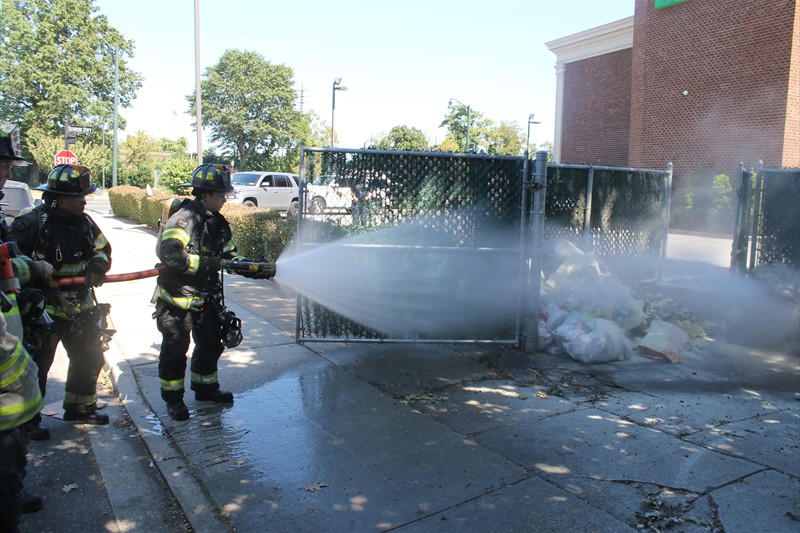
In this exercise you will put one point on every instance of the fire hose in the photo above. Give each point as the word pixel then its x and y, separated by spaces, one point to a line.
pixel 239 267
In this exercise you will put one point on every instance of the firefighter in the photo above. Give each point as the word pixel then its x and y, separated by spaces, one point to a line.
pixel 61 233
pixel 20 398
pixel 189 294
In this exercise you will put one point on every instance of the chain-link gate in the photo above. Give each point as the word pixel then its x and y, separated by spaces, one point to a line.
pixel 767 224
pixel 611 211
pixel 468 200
pixel 464 200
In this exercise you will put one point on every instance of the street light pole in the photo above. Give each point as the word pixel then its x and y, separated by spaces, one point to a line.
pixel 337 86
pixel 528 138
pixel 469 118
pixel 116 105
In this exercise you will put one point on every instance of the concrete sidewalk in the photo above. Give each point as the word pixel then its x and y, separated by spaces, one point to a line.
pixel 337 437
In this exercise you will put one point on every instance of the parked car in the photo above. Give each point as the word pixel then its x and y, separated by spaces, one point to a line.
pixel 275 190
pixel 326 193
pixel 17 197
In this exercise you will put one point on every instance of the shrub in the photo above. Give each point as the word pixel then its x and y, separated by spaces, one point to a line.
pixel 260 234
pixel 126 201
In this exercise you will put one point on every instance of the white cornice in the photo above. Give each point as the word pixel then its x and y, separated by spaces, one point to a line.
pixel 593 42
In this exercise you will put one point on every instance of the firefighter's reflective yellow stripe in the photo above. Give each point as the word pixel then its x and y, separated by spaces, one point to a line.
pixel 10 415
pixel 194 264
pixel 200 379
pixel 175 233
pixel 189 302
pixel 229 246
pixel 171 384
pixel 69 270
pixel 21 396
pixel 14 367
pixel 14 311
pixel 21 270
pixel 100 242
pixel 80 399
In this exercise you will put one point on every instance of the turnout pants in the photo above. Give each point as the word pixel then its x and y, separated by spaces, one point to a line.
pixel 85 354
pixel 12 471
pixel 176 325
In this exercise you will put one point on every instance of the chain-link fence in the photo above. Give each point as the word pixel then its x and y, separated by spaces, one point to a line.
pixel 475 213
pixel 767 223
pixel 610 211
pixel 456 210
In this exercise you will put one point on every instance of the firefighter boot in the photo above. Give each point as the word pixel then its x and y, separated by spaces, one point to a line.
pixel 177 410
pixel 85 414
pixel 217 396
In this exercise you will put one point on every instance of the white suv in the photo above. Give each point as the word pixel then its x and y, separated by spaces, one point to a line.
pixel 275 190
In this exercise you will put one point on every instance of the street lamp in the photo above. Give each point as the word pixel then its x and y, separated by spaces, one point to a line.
pixel 98 53
pixel 528 138
pixel 337 86
pixel 469 117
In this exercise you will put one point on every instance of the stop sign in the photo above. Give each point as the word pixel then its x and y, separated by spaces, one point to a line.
pixel 65 157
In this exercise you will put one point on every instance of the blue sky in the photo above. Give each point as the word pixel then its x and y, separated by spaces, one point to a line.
pixel 401 61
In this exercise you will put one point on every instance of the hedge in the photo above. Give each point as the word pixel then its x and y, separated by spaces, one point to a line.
pixel 260 234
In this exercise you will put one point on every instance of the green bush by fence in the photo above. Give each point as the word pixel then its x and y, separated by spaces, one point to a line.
pixel 260 234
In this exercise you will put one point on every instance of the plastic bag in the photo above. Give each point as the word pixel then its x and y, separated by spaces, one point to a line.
pixel 592 340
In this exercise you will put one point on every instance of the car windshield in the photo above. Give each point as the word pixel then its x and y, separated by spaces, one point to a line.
pixel 244 178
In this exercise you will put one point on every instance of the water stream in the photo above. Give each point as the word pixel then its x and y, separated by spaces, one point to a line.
pixel 410 280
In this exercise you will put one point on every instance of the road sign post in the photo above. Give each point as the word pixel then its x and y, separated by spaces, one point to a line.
pixel 65 157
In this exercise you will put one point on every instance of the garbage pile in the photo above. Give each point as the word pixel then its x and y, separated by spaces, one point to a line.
pixel 592 317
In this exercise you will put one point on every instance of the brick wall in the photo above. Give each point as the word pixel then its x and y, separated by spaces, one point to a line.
pixel 733 57
pixel 791 145
pixel 596 114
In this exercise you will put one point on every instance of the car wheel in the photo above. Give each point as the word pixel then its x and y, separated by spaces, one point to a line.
pixel 250 203
pixel 317 205
pixel 294 207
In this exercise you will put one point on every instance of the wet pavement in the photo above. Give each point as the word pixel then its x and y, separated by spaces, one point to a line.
pixel 372 437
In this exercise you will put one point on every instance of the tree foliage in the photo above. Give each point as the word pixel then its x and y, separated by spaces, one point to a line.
pixel 458 121
pixel 506 138
pixel 404 138
pixel 248 104
pixel 49 73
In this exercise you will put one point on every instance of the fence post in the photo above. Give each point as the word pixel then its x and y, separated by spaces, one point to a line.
pixel 587 212
pixel 667 208
pixel 536 241
pixel 523 248
pixel 755 233
pixel 740 237
pixel 299 232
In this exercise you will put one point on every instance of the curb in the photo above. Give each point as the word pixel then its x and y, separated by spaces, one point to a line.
pixel 194 499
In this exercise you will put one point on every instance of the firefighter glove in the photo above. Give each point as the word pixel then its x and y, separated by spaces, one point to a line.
pixel 41 270
pixel 209 264
pixel 95 275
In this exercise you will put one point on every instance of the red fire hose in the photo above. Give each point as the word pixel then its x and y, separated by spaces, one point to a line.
pixel 111 278
pixel 235 266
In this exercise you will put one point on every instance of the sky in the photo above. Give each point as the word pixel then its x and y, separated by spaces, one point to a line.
pixel 401 61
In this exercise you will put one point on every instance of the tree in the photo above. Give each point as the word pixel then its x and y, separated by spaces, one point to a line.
pixel 404 138
pixel 458 120
pixel 248 103
pixel 505 139
pixel 49 74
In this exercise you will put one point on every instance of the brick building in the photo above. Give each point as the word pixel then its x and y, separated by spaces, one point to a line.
pixel 702 83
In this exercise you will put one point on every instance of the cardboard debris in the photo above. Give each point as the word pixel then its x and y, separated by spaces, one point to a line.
pixel 664 340
pixel 668 355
